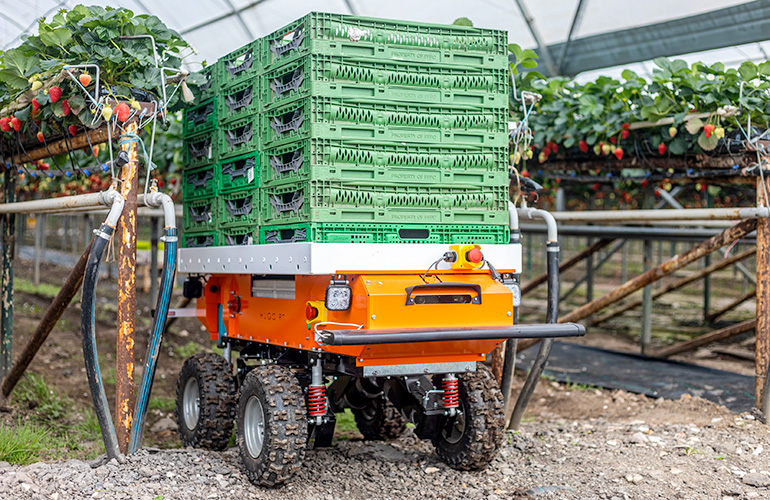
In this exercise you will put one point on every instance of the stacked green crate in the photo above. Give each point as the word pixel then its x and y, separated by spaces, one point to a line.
pixel 383 131
pixel 238 144
pixel 200 176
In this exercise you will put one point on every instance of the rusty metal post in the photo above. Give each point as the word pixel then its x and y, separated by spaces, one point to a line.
pixel 6 287
pixel 67 292
pixel 763 295
pixel 124 379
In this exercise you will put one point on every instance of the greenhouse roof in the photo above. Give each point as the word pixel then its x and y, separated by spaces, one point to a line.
pixel 572 36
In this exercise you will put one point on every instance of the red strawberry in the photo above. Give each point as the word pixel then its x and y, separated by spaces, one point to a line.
pixel 661 149
pixel 624 134
pixel 524 173
pixel 54 93
pixel 626 126
pixel 16 124
pixel 35 105
pixel 619 153
pixel 5 124
pixel 40 137
pixel 596 186
pixel 583 145
pixel 613 140
pixel 65 106
pixel 122 111
pixel 85 79
pixel 708 129
pixel 73 130
pixel 554 147
pixel 547 151
pixel 645 183
pixel 43 166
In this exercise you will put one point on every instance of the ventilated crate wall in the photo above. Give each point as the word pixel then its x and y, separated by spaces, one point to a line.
pixel 352 129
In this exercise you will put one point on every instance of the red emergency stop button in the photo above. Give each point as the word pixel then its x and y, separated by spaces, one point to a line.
pixel 311 312
pixel 474 256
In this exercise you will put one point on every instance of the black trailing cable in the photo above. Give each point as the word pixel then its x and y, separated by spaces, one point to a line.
pixel 88 337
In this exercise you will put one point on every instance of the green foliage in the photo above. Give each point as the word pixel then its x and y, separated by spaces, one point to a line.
pixel 463 21
pixel 89 35
pixel 596 111
pixel 45 290
pixel 21 444
pixel 186 350
pixel 34 391
pixel 162 403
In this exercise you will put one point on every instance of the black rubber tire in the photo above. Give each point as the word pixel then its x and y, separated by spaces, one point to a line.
pixel 380 421
pixel 481 403
pixel 285 430
pixel 217 395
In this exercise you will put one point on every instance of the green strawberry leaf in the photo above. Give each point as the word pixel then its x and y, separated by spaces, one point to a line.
pixel 708 143
pixel 694 125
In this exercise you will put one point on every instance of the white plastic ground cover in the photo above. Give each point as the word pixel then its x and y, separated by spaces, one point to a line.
pixel 215 30
pixel 331 258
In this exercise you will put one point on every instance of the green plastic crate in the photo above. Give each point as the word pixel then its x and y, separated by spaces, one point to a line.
pixel 354 35
pixel 335 77
pixel 200 150
pixel 239 208
pixel 323 118
pixel 200 215
pixel 201 118
pixel 385 233
pixel 200 239
pixel 201 182
pixel 311 160
pixel 329 201
pixel 239 173
pixel 238 137
pixel 420 164
pixel 241 64
pixel 238 236
pixel 210 87
pixel 239 101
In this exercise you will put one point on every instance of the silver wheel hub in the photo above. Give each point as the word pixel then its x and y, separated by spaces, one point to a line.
pixel 191 403
pixel 254 426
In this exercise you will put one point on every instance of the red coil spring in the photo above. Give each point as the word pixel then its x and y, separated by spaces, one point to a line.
pixel 451 392
pixel 316 400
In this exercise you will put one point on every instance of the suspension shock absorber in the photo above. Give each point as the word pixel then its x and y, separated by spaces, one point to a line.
pixel 316 393
pixel 451 399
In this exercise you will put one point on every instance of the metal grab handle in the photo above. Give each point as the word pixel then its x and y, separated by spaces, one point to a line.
pixel 435 286
pixel 246 64
pixel 296 41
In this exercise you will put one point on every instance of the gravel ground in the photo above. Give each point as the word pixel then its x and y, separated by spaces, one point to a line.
pixel 621 446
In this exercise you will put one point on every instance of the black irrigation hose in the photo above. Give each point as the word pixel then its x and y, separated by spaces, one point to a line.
pixel 552 316
pixel 88 334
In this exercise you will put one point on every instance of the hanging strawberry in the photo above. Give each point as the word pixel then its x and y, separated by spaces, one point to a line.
pixel 73 130
pixel 619 153
pixel 16 124
pixel 661 149
pixel 65 106
pixel 708 129
pixel 40 137
pixel 5 124
pixel 672 131
pixel 35 105
pixel 54 93
pixel 583 145
pixel 85 79
pixel 122 111
pixel 624 134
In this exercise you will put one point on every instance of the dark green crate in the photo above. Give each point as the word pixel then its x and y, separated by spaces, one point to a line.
pixel 329 201
pixel 200 150
pixel 385 233
pixel 354 36
pixel 202 239
pixel 201 118
pixel 240 65
pixel 210 87
pixel 201 182
pixel 239 236
pixel 238 137
pixel 200 215
pixel 239 173
pixel 239 101
pixel 239 208
pixel 311 160
pixel 323 118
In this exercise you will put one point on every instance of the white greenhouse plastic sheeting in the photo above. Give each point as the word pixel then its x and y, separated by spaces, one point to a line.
pixel 237 22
